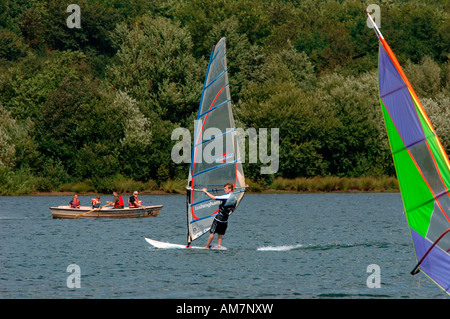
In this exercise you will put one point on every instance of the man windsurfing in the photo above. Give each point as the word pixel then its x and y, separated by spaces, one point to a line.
pixel 220 222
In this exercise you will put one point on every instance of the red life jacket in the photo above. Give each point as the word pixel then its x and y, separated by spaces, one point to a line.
pixel 133 204
pixel 119 203
pixel 75 202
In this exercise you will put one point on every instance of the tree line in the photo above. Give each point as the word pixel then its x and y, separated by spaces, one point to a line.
pixel 97 105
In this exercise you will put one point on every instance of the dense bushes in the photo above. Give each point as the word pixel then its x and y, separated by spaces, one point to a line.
pixel 93 109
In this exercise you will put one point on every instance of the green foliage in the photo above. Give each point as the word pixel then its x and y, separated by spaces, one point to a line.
pixel 26 87
pixel 418 30
pixel 17 145
pixel 154 65
pixel 331 126
pixel 12 46
pixel 336 184
pixel 358 137
pixel 93 109
pixel 18 182
pixel 83 130
pixel 7 147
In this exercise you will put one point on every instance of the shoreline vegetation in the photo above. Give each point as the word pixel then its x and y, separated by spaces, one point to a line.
pixel 278 185
pixel 110 105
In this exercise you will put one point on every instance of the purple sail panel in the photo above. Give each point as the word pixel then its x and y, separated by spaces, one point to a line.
pixel 437 264
pixel 398 101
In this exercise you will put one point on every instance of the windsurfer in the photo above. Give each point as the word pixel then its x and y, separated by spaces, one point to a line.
pixel 220 222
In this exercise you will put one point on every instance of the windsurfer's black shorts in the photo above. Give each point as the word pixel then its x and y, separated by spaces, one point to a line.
pixel 218 227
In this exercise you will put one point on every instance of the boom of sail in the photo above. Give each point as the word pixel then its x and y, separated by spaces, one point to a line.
pixel 422 166
pixel 215 158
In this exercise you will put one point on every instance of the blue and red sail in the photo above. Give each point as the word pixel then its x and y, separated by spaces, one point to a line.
pixel 215 158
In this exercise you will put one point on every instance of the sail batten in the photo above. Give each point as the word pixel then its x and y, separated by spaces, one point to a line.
pixel 394 90
pixel 215 136
pixel 213 81
pixel 421 164
pixel 212 168
pixel 215 159
pixel 200 219
pixel 215 107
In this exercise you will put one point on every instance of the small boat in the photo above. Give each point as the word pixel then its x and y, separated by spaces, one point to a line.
pixel 104 212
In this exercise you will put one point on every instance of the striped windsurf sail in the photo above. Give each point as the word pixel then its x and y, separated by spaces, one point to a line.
pixel 215 158
pixel 422 167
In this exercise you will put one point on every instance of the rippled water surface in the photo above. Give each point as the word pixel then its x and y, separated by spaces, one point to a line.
pixel 279 246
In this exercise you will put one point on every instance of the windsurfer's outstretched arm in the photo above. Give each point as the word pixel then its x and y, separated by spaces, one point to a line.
pixel 208 194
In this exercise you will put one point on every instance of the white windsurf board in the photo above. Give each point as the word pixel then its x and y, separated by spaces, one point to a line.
pixel 165 245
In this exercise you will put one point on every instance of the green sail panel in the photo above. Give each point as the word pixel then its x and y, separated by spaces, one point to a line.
pixel 417 197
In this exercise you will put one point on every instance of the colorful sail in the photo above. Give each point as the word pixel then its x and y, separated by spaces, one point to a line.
pixel 215 158
pixel 422 166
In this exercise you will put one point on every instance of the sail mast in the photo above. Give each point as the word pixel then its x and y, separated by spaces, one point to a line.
pixel 189 188
pixel 375 27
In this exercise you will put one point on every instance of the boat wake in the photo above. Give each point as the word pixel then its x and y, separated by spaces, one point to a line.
pixel 279 248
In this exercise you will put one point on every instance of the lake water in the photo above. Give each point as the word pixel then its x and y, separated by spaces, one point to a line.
pixel 280 246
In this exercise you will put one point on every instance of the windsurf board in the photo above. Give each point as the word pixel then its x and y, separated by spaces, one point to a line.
pixel 165 245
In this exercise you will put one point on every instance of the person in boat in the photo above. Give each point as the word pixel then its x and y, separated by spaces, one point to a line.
pixel 117 201
pixel 95 202
pixel 226 207
pixel 134 202
pixel 75 202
